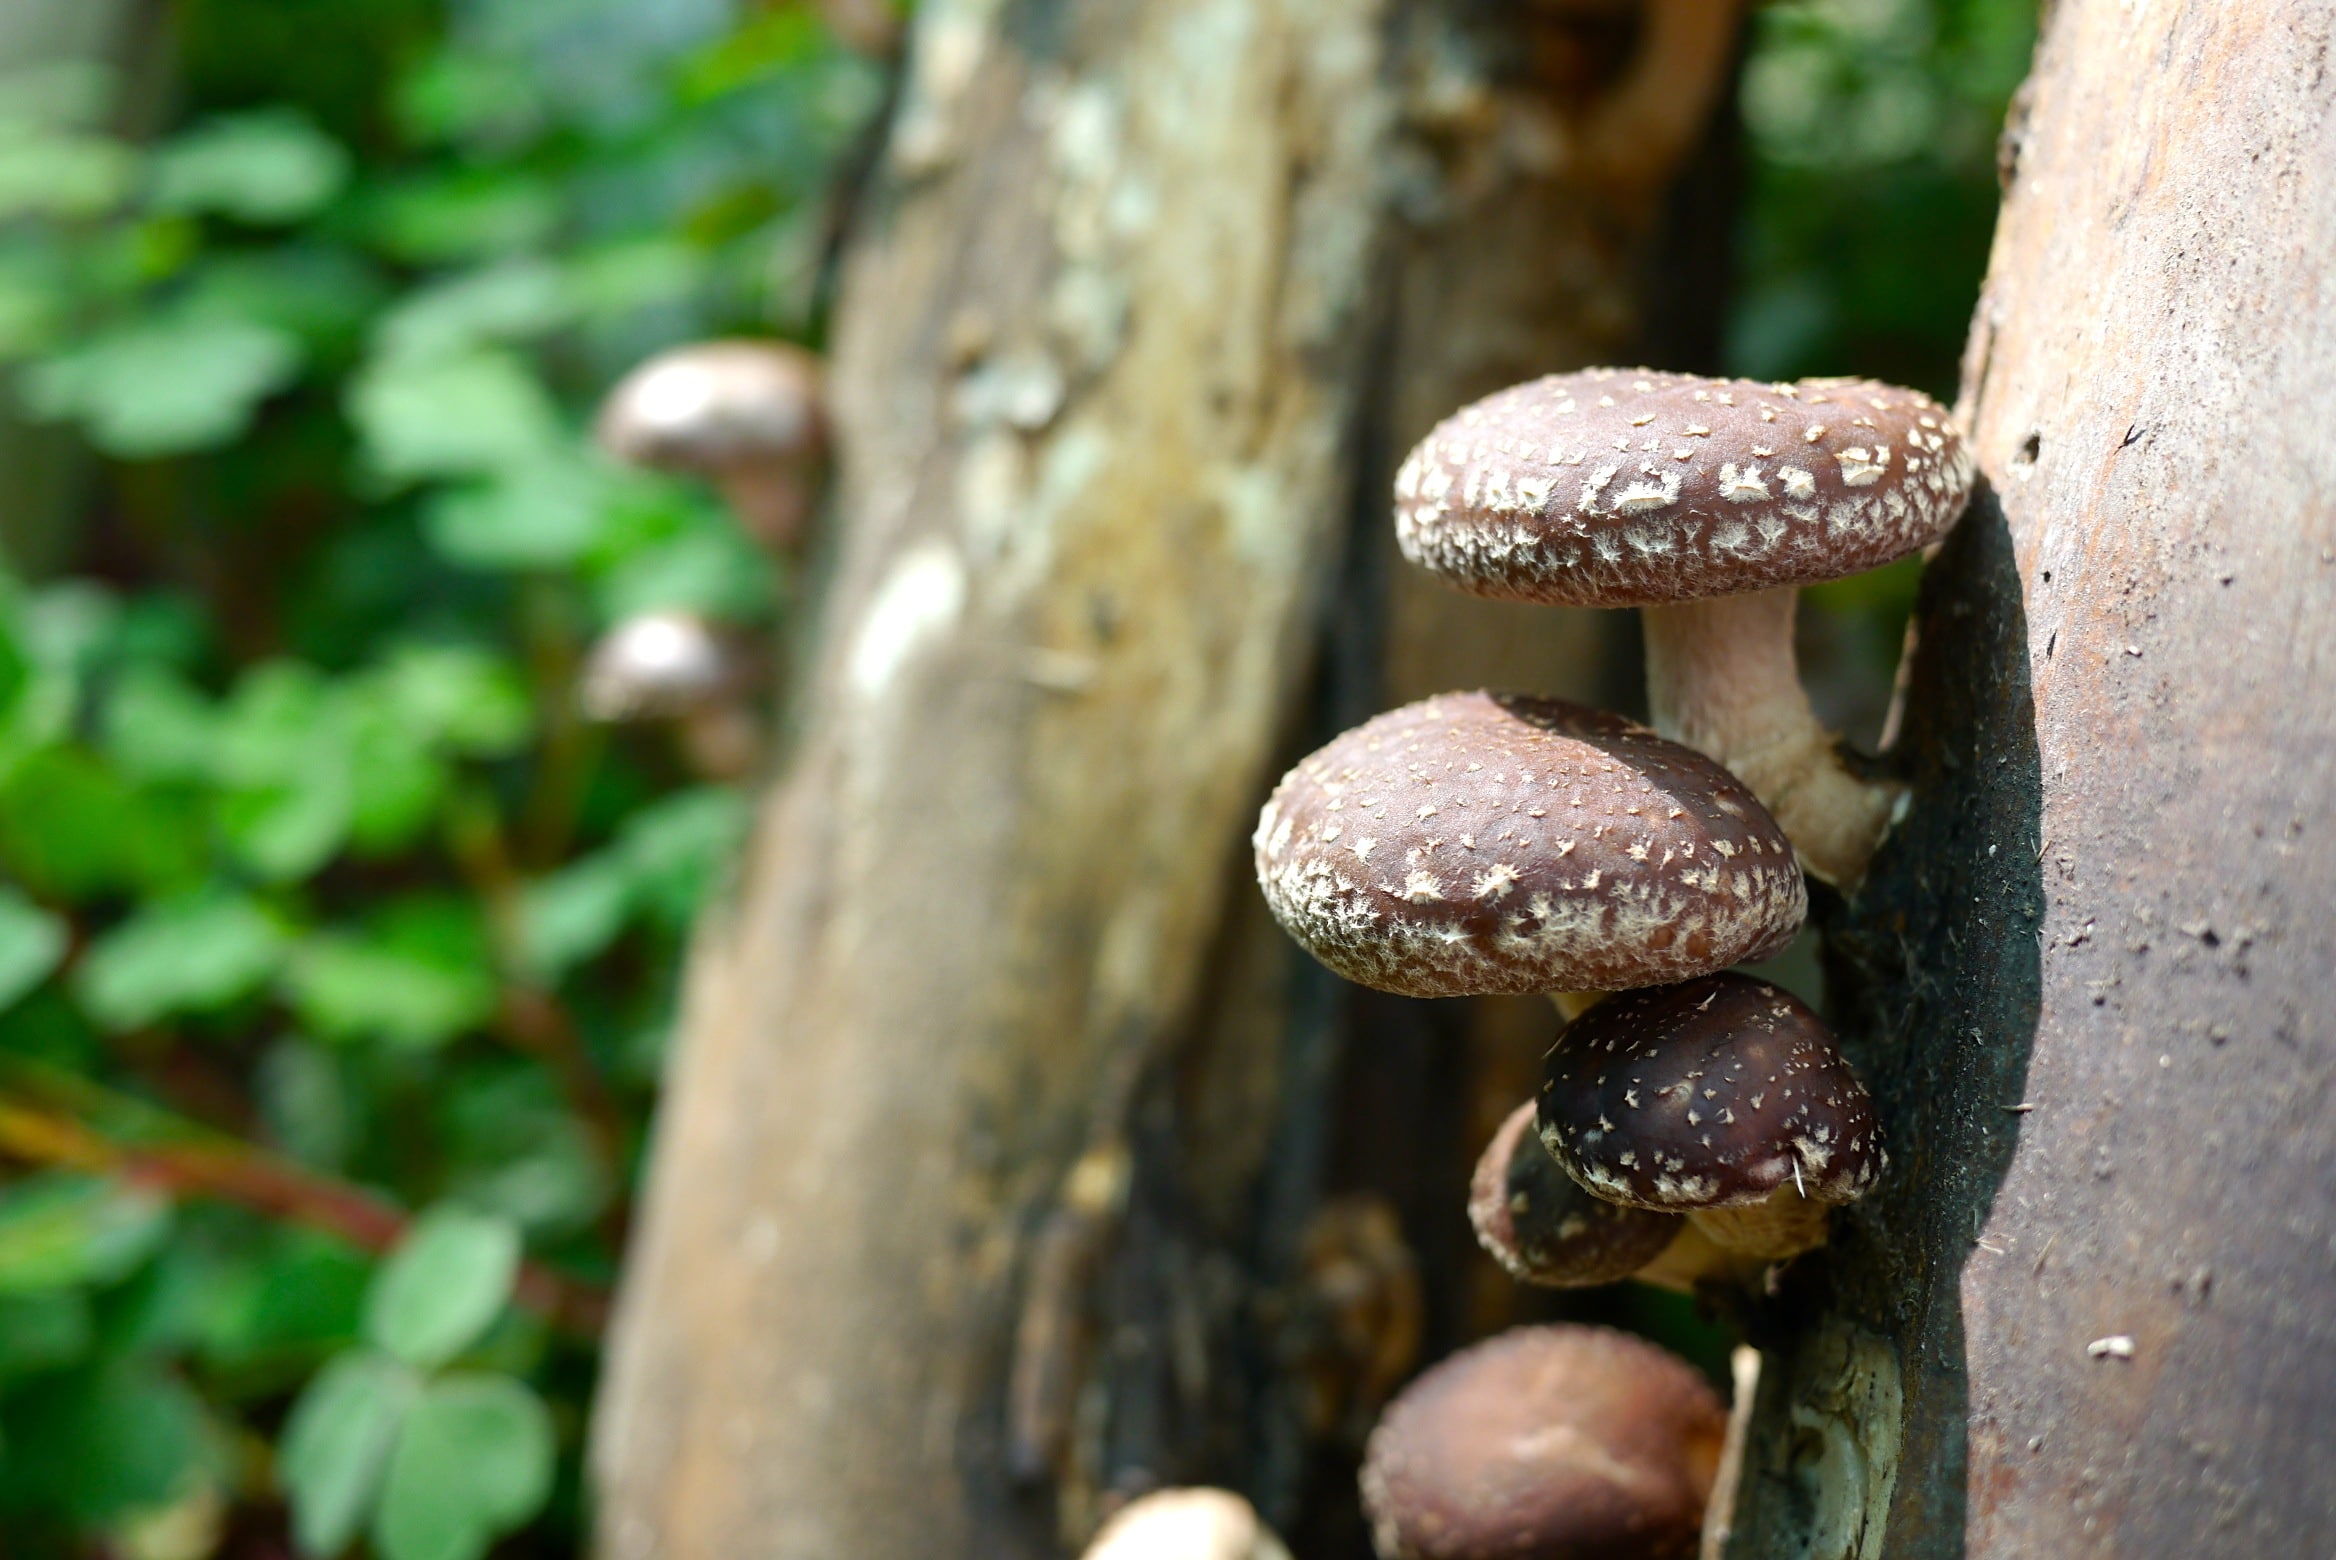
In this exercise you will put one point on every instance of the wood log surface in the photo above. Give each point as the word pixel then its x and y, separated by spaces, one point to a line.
pixel 2093 1311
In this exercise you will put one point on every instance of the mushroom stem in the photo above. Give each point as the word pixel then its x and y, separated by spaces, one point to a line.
pixel 772 500
pixel 723 741
pixel 1721 678
pixel 1691 1258
pixel 1571 1005
pixel 1784 1225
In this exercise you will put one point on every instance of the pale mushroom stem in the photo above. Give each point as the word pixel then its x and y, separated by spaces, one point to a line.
pixel 1692 1257
pixel 1722 678
pixel 1785 1225
pixel 1571 1005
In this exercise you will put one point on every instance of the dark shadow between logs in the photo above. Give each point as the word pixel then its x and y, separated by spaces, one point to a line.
pixel 1933 974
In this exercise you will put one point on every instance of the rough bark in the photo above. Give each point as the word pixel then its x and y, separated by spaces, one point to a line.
pixel 988 1181
pixel 2090 1314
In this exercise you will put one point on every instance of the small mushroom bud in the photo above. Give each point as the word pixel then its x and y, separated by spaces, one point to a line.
pixel 1193 1524
pixel 746 415
pixel 1484 844
pixel 1546 1230
pixel 1546 1443
pixel 1722 1098
pixel 676 667
pixel 1707 502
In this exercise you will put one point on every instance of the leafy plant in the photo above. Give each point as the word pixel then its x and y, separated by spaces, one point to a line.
pixel 318 903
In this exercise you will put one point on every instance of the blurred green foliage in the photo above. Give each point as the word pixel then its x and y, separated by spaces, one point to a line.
pixel 336 955
pixel 318 904
pixel 1872 129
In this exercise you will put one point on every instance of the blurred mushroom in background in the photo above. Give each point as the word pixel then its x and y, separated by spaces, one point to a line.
pixel 748 416
pixel 677 668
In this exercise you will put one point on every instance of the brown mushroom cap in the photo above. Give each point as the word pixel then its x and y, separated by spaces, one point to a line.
pixel 716 406
pixel 1714 1093
pixel 1546 1443
pixel 1545 1229
pixel 1478 843
pixel 1632 488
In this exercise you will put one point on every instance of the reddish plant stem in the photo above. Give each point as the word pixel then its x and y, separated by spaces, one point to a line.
pixel 252 1178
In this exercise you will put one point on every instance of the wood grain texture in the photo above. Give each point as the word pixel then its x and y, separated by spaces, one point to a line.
pixel 1095 382
pixel 2095 1311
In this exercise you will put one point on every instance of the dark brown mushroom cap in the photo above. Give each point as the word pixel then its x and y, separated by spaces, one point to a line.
pixel 1709 1094
pixel 1545 1443
pixel 1631 488
pixel 1545 1229
pixel 716 405
pixel 1495 843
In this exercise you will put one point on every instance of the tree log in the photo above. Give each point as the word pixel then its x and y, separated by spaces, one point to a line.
pixel 1095 377
pixel 2094 1310
pixel 985 1183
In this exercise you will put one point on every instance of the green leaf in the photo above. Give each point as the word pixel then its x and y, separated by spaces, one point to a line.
pixel 322 294
pixel 299 1293
pixel 474 1462
pixel 158 728
pixel 283 749
pixel 515 301
pixel 574 913
pixel 61 1229
pixel 64 175
pixel 189 955
pixel 542 514
pixel 709 568
pixel 32 943
pixel 451 416
pixel 267 167
pixel 165 386
pixel 71 829
pixel 35 298
pixel 679 847
pixel 463 699
pixel 467 215
pixel 100 1443
pixel 422 977
pixel 337 1446
pixel 42 1330
pixel 447 1281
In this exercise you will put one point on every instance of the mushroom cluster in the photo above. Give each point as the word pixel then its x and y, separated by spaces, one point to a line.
pixel 1696 1124
pixel 1706 502
pixel 749 417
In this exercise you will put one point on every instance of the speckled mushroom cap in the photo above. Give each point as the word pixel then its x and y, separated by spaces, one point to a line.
pixel 1631 488
pixel 1545 1443
pixel 1545 1229
pixel 716 404
pixel 1478 843
pixel 1707 1094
